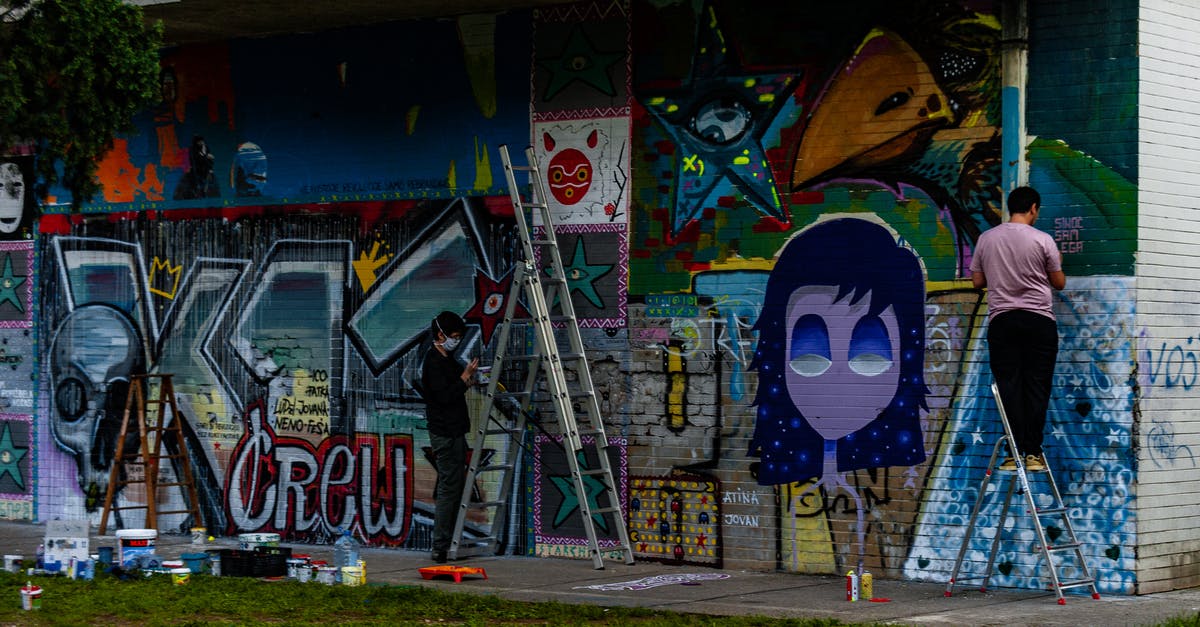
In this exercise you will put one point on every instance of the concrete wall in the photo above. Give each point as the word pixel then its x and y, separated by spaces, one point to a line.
pixel 767 217
pixel 1168 112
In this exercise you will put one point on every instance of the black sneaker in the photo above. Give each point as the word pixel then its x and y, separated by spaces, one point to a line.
pixel 439 557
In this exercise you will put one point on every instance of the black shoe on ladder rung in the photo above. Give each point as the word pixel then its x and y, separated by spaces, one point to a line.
pixel 1020 482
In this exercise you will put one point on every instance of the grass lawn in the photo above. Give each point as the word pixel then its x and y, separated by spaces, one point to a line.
pixel 247 601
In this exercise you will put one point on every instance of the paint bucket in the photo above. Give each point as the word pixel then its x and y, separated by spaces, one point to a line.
pixel 304 573
pixel 198 536
pixel 195 562
pixel 250 541
pixel 134 542
pixel 85 570
pixel 180 576
pixel 352 576
pixel 12 563
pixel 327 575
pixel 214 565
pixel 31 597
pixel 105 558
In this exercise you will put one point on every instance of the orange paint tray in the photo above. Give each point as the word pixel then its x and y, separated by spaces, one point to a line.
pixel 457 572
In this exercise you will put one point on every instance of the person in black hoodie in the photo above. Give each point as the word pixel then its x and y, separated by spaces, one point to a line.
pixel 444 383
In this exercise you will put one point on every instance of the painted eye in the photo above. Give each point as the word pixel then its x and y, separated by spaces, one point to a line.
pixel 893 101
pixel 575 274
pixel 870 348
pixel 808 353
pixel 721 121
pixel 578 63
pixel 493 303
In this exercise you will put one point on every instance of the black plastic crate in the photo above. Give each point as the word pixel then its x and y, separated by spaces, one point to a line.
pixel 237 563
pixel 271 561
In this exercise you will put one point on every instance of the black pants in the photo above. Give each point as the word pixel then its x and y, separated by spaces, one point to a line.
pixel 450 458
pixel 1024 347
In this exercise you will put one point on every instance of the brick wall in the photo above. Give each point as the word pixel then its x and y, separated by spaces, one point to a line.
pixel 1167 280
pixel 768 246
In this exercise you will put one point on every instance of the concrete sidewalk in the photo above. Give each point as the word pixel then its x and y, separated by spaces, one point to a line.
pixel 708 591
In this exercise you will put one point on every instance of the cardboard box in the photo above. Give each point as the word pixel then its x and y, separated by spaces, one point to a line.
pixel 66 539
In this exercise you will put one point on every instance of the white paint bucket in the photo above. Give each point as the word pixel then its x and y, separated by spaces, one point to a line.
pixel 249 541
pixel 134 542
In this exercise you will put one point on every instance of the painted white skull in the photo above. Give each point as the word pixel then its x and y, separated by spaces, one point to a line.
pixel 94 352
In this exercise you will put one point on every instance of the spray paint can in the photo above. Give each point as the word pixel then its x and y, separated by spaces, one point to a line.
pixel 852 586
pixel 867 586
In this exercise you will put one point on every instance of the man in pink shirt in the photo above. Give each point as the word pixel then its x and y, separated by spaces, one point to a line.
pixel 1019 265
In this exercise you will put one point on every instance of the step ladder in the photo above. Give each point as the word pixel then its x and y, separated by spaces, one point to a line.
pixel 160 435
pixel 573 401
pixel 1057 510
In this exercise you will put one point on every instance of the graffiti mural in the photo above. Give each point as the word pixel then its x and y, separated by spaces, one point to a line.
pixel 297 385
pixel 765 219
pixel 557 528
pixel 676 520
pixel 16 466
pixel 288 486
pixel 746 148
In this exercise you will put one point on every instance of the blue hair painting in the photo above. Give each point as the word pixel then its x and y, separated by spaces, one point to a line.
pixel 840 355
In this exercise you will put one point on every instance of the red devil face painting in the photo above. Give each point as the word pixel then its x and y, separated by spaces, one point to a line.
pixel 570 171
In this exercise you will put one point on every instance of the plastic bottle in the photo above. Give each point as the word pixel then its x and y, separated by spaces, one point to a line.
pixel 41 556
pixel 345 552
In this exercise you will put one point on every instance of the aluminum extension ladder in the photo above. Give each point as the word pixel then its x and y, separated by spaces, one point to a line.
pixel 575 404
pixel 1070 544
pixel 160 436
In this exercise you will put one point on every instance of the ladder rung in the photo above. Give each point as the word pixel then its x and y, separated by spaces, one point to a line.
pixel 1076 583
pixel 493 468
pixel 476 543
pixel 512 394
pixel 1066 546
pixel 176 511
pixel 115 508
pixel 543 242
pixel 501 432
pixel 485 504
pixel 1051 510
pixel 605 510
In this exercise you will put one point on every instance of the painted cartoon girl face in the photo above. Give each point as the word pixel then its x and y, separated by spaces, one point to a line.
pixel 12 197
pixel 843 363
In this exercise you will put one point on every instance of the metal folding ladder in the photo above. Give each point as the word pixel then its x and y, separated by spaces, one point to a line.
pixel 160 435
pixel 507 413
pixel 1057 509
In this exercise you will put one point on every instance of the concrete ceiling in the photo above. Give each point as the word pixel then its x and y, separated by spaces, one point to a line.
pixel 192 21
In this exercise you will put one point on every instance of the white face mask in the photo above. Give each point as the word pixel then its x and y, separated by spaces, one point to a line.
pixel 449 343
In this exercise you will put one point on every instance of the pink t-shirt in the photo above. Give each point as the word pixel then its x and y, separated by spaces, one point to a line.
pixel 1016 259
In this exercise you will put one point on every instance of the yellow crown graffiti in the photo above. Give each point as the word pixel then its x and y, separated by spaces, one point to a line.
pixel 164 278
